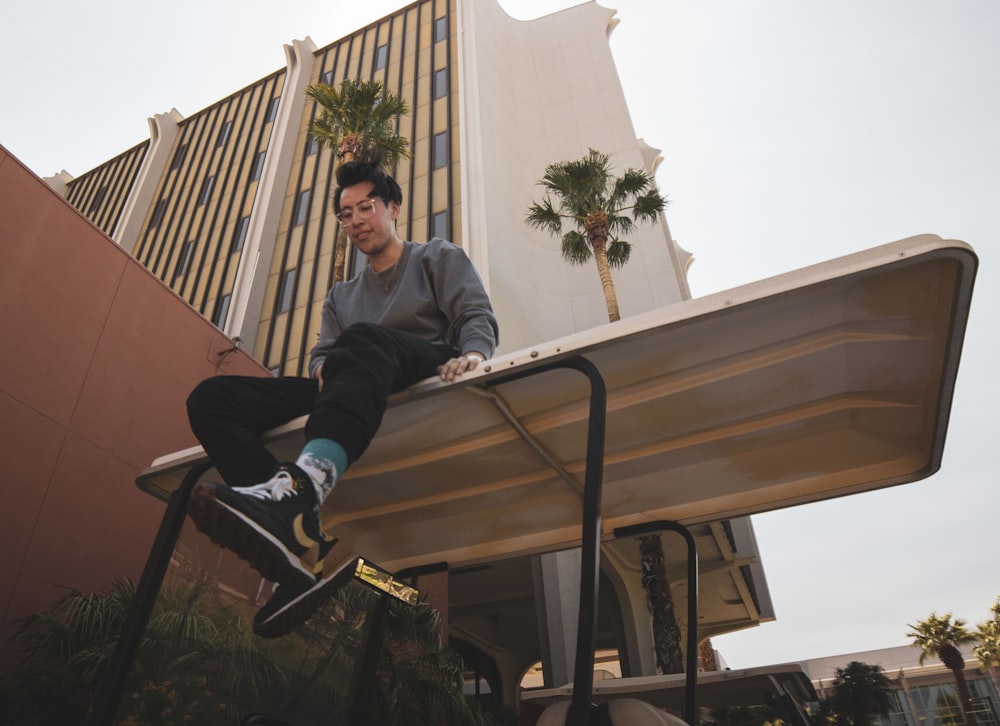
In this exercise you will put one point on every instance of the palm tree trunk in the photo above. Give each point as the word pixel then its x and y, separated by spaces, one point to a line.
pixel 340 256
pixel 660 603
pixel 345 152
pixel 964 700
pixel 601 257
pixel 659 600
pixel 955 662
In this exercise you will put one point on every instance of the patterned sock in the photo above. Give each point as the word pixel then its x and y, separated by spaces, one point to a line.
pixel 323 460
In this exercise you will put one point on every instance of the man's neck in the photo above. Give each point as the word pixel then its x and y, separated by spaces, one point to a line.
pixel 387 256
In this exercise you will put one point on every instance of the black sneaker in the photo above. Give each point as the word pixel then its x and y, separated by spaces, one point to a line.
pixel 293 604
pixel 273 525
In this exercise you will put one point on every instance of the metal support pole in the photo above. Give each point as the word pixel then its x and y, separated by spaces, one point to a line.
pixel 583 679
pixel 691 657
pixel 581 708
pixel 367 669
pixel 110 693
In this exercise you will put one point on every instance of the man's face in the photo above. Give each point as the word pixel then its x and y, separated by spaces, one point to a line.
pixel 369 221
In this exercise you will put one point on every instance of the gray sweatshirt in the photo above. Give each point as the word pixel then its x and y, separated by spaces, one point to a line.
pixel 433 292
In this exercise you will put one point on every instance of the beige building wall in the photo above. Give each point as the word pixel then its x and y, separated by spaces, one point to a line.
pixel 533 93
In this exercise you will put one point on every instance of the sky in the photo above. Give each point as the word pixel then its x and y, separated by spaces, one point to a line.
pixel 792 132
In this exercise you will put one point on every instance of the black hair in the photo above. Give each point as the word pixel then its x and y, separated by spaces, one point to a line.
pixel 356 172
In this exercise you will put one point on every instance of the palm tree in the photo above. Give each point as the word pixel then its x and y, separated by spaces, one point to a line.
pixel 192 653
pixel 64 652
pixel 601 207
pixel 860 690
pixel 739 716
pixel 660 604
pixel 417 680
pixel 198 658
pixel 358 120
pixel 940 636
pixel 988 648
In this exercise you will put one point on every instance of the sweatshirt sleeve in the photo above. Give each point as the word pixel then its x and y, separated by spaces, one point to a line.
pixel 461 297
pixel 329 330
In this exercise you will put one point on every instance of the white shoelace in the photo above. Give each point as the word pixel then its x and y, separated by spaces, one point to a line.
pixel 278 487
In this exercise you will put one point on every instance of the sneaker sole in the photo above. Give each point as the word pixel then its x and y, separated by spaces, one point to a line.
pixel 234 531
pixel 342 565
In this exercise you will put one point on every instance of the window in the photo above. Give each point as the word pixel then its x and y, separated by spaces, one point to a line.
pixel 287 289
pixel 312 146
pixel 258 166
pixel 98 199
pixel 158 211
pixel 381 56
pixel 440 156
pixel 206 190
pixel 439 225
pixel 186 254
pixel 328 78
pixel 440 29
pixel 227 129
pixel 179 157
pixel 441 83
pixel 240 236
pixel 223 311
pixel 301 208
pixel 272 110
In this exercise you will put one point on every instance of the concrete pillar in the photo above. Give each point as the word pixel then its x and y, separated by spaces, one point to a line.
pixel 557 593
pixel 163 128
pixel 251 276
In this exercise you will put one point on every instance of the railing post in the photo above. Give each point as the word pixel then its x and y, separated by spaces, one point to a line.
pixel 110 693
pixel 581 708
pixel 691 656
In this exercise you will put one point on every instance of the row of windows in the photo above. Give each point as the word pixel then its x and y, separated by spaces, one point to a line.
pixel 206 190
pixel 239 238
pixel 301 210
pixel 101 194
pixel 224 133
pixel 223 139
pixel 300 269
pixel 382 59
pixel 206 193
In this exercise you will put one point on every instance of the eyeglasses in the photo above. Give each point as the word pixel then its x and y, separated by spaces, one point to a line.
pixel 364 210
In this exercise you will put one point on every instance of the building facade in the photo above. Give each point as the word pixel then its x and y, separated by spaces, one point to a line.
pixel 922 694
pixel 230 207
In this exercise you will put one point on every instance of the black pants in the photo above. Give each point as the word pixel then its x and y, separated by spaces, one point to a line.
pixel 366 364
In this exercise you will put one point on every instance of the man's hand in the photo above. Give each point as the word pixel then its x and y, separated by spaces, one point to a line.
pixel 457 366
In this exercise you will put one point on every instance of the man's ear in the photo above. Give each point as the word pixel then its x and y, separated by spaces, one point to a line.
pixel 394 209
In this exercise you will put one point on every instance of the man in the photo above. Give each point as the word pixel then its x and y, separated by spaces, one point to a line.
pixel 414 311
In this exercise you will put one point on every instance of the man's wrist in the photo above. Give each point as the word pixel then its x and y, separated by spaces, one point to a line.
pixel 473 354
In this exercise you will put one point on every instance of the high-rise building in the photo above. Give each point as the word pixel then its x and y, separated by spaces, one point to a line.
pixel 230 207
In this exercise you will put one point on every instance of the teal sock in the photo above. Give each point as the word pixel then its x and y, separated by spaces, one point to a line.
pixel 323 460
